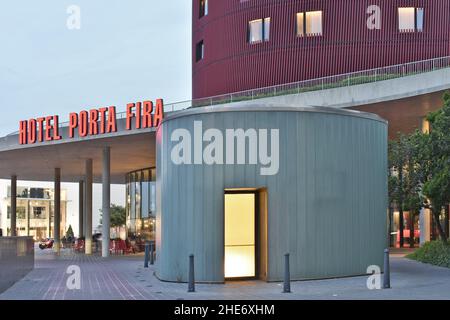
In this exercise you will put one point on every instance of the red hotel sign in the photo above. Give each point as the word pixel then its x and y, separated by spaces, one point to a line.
pixel 139 115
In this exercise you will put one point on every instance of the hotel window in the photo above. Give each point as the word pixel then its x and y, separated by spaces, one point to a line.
pixel 309 23
pixel 203 8
pixel 200 51
pixel 259 30
pixel 425 126
pixel 410 19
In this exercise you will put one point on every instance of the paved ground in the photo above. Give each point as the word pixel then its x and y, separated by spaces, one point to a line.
pixel 126 278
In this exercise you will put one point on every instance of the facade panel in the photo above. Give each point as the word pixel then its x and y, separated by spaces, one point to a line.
pixel 231 63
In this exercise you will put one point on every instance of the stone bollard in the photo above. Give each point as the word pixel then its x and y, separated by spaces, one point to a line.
pixel 287 275
pixel 191 279
pixel 147 254
pixel 387 271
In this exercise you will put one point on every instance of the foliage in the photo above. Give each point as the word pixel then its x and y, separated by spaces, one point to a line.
pixel 419 166
pixel 437 144
pixel 434 252
pixel 69 232
pixel 117 216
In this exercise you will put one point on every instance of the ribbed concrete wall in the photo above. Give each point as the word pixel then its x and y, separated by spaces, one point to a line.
pixel 326 205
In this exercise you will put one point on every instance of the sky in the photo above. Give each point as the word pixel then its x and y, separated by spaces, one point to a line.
pixel 124 51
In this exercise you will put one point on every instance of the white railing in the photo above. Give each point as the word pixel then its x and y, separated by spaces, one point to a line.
pixel 337 81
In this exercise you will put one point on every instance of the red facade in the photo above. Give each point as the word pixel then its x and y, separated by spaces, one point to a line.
pixel 230 63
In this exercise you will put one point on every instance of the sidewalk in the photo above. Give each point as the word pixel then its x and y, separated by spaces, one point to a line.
pixel 124 277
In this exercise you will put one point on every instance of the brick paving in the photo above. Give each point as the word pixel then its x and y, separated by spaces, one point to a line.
pixel 125 278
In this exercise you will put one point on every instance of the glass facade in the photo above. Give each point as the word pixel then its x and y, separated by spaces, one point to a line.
pixel 141 205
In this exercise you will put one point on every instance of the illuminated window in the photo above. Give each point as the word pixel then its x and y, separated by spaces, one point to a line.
pixel 203 8
pixel 200 51
pixel 425 126
pixel 309 23
pixel 410 19
pixel 239 235
pixel 259 30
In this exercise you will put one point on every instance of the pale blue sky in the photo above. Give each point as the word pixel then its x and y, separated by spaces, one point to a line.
pixel 125 51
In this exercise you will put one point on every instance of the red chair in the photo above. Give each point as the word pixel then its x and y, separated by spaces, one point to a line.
pixel 79 246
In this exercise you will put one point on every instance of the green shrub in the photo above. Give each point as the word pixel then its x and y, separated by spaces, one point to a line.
pixel 434 252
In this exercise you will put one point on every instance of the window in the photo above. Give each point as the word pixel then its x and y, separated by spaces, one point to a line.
pixel 203 8
pixel 20 213
pixel 309 23
pixel 200 51
pixel 38 213
pixel 410 19
pixel 425 126
pixel 259 30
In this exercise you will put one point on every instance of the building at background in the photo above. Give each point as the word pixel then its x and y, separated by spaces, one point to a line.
pixel 35 212
pixel 250 44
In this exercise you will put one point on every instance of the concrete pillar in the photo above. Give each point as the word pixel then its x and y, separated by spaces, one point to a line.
pixel 57 208
pixel 106 201
pixel 13 217
pixel 84 207
pixel 80 209
pixel 88 207
pixel 424 221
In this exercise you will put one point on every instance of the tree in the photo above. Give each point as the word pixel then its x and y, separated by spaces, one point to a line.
pixel 396 161
pixel 117 216
pixel 437 187
pixel 69 232
pixel 433 158
pixel 419 171
pixel 413 198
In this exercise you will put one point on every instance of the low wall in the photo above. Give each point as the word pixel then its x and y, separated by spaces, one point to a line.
pixel 16 259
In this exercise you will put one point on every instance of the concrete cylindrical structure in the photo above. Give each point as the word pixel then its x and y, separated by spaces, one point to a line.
pixel 325 205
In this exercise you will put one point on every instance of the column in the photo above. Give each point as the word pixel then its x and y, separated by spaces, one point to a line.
pixel 424 220
pixel 106 201
pixel 57 213
pixel 80 208
pixel 88 208
pixel 13 206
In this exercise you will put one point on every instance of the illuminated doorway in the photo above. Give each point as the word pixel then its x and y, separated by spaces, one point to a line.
pixel 240 235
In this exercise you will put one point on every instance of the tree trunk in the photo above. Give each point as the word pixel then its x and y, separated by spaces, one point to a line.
pixel 411 229
pixel 447 214
pixel 442 234
pixel 400 213
pixel 391 215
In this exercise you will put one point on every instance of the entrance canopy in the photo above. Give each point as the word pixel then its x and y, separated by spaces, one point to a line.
pixel 130 150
